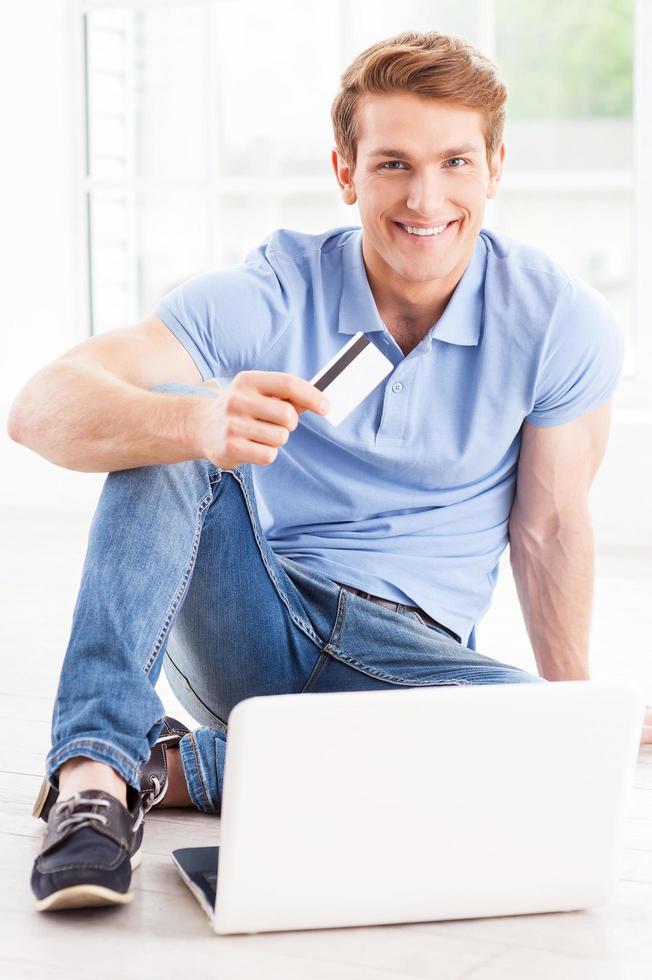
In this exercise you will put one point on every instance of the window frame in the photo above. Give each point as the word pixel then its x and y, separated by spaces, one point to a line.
pixel 634 395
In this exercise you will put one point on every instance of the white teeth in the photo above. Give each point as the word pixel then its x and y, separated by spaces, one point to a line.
pixel 424 231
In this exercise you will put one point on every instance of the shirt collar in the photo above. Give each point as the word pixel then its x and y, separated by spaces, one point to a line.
pixel 460 322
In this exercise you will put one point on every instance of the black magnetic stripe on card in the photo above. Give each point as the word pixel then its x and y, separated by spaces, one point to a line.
pixel 346 358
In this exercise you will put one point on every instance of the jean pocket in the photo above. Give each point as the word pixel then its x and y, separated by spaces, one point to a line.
pixel 390 645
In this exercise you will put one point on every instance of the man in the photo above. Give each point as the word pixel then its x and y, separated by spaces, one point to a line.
pixel 258 549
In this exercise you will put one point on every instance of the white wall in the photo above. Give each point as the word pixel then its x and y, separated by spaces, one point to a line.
pixel 42 233
pixel 42 261
pixel 40 244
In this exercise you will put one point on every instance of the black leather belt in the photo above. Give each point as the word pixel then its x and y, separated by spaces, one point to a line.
pixel 394 605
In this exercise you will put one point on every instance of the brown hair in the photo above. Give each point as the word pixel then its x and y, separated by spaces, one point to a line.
pixel 436 66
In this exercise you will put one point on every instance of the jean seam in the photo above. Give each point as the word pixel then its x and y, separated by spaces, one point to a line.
pixel 130 772
pixel 320 663
pixel 198 767
pixel 338 625
pixel 304 626
pixel 92 743
pixel 178 595
pixel 383 675
pixel 322 660
pixel 210 711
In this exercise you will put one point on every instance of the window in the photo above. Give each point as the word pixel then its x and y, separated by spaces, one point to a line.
pixel 569 181
pixel 203 135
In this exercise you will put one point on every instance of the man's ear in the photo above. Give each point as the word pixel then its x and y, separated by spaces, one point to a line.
pixel 344 177
pixel 496 171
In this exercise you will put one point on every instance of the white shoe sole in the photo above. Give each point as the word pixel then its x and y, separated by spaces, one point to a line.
pixel 88 896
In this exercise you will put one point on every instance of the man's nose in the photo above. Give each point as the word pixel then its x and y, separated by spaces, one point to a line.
pixel 426 194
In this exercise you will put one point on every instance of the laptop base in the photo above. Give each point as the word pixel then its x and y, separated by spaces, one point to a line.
pixel 198 868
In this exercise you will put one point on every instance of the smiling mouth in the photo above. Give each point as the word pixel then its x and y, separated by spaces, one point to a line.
pixel 426 238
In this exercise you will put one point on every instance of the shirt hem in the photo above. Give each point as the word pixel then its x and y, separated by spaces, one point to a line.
pixel 186 341
pixel 569 416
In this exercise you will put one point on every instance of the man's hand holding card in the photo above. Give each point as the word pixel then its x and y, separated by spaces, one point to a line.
pixel 256 413
pixel 351 375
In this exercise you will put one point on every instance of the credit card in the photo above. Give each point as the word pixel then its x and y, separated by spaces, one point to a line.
pixel 350 376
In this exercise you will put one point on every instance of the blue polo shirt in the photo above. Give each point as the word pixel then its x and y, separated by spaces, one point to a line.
pixel 409 497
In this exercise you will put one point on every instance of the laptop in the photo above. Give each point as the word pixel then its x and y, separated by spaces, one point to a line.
pixel 419 804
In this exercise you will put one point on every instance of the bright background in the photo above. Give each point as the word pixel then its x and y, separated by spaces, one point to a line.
pixel 145 142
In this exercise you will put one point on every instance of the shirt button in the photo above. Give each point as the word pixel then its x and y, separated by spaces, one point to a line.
pixel 397 386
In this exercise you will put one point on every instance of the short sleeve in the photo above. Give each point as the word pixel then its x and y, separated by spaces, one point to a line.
pixel 228 319
pixel 582 358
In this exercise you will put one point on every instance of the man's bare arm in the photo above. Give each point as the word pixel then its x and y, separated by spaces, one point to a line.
pixel 83 418
pixel 554 582
pixel 91 409
pixel 551 539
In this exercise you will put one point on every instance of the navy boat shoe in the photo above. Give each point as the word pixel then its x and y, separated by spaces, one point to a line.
pixel 91 845
pixel 92 842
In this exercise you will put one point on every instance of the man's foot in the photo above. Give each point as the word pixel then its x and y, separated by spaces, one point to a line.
pixel 91 845
pixel 161 775
pixel 95 825
pixel 79 774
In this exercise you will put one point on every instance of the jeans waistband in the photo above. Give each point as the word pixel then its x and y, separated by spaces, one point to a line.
pixel 395 605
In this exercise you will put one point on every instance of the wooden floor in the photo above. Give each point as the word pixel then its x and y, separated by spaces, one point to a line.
pixel 164 933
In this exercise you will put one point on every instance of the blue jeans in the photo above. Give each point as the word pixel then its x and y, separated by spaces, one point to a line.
pixel 178 574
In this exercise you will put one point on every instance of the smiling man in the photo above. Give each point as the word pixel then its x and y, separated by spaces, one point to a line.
pixel 421 183
pixel 254 548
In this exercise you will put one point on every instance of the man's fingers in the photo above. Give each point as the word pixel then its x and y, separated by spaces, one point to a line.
pixel 289 387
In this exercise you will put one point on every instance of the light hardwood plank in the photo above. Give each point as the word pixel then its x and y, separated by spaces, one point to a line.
pixel 164 933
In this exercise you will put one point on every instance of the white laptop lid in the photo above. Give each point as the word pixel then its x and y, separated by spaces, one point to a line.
pixel 423 804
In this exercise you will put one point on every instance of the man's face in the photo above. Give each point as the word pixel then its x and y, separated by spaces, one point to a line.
pixel 420 163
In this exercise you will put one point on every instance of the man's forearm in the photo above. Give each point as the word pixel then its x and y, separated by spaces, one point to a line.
pixel 554 581
pixel 84 418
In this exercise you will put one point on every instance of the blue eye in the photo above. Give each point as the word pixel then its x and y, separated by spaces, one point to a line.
pixel 389 164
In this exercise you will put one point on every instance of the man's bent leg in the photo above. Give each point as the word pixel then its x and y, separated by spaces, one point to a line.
pixel 213 662
pixel 245 630
pixel 147 536
pixel 142 544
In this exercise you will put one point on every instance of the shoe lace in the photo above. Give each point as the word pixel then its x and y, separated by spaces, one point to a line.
pixel 85 816
pixel 150 796
pixel 139 820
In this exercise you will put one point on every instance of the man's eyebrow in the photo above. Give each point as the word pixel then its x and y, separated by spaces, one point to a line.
pixel 451 152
